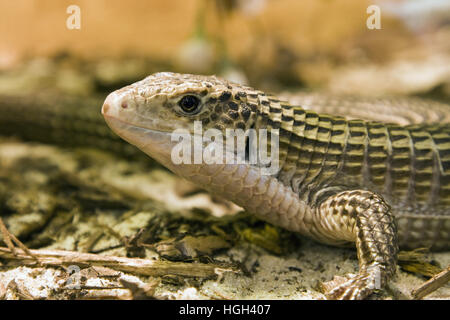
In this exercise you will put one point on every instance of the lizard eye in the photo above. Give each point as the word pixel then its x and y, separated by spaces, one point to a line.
pixel 189 104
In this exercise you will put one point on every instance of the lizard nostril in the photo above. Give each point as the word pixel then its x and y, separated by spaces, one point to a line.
pixel 124 105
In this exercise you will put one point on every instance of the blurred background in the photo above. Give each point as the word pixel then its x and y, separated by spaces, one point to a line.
pixel 270 44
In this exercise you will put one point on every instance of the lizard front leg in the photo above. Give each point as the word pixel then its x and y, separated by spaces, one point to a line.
pixel 365 218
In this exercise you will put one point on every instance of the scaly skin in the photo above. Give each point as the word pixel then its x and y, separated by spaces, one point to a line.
pixel 340 181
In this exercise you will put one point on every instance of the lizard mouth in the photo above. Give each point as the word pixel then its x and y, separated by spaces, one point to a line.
pixel 157 144
pixel 127 130
pixel 114 123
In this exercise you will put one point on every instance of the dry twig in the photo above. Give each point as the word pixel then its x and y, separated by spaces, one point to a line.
pixel 432 285
pixel 9 238
pixel 144 267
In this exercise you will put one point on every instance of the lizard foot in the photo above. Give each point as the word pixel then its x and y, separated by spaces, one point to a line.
pixel 350 287
pixel 375 235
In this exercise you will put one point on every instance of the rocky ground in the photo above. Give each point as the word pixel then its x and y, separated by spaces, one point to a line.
pixel 129 230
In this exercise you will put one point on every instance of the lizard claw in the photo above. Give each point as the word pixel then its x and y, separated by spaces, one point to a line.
pixel 350 287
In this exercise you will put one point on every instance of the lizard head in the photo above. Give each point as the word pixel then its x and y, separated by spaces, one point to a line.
pixel 147 112
pixel 168 101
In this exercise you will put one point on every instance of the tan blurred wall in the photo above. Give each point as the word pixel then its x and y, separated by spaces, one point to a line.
pixel 159 27
pixel 108 27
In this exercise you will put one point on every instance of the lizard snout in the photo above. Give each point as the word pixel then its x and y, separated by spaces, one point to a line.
pixel 115 104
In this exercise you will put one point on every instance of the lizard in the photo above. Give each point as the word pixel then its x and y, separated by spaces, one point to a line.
pixel 362 182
